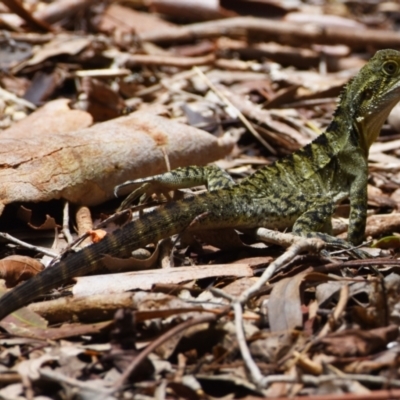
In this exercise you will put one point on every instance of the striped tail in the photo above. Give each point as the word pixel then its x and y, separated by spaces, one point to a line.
pixel 165 221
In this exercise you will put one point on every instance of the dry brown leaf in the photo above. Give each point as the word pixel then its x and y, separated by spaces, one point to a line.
pixel 247 108
pixel 100 307
pixel 312 83
pixel 355 342
pixel 101 101
pixel 284 305
pixel 326 291
pixel 133 263
pixel 238 286
pixel 22 320
pixel 61 44
pixel 373 363
pixel 65 331
pixel 25 214
pixel 14 269
pixel 89 309
pixel 167 308
pixel 139 260
pixel 117 18
pixel 53 118
pixel 84 166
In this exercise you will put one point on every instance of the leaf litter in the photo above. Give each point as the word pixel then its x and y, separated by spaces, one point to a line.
pixel 92 96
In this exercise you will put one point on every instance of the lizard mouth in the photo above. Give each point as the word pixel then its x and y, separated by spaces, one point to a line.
pixel 378 111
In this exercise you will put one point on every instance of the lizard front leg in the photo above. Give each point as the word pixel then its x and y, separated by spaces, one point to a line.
pixel 211 176
pixel 358 212
pixel 316 223
pixel 317 219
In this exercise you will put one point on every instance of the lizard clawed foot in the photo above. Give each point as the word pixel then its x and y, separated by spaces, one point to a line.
pixel 148 187
pixel 323 240
pixel 342 244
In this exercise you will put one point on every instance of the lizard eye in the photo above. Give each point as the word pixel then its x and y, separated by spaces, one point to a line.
pixel 390 67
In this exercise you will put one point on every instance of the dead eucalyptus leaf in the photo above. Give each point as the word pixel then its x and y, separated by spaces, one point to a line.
pixel 14 269
pixel 284 305
pixel 22 321
pixel 51 119
pixel 356 342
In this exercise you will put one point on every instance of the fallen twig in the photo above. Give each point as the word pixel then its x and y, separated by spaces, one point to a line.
pixel 283 32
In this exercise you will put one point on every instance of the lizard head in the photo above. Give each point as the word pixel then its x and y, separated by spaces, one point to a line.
pixel 373 93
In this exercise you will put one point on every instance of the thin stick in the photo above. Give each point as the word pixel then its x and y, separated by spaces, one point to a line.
pixel 65 228
pixel 242 118
pixel 27 245
pixel 255 373
pixel 158 342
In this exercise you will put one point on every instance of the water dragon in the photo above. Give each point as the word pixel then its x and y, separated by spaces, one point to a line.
pixel 299 191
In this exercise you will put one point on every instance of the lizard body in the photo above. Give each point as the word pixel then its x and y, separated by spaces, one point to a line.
pixel 299 191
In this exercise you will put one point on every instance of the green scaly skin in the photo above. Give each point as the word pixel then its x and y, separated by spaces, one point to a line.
pixel 299 191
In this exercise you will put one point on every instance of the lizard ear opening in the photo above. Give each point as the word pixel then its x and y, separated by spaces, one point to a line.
pixel 390 67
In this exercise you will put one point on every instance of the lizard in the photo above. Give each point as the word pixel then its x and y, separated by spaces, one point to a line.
pixel 299 191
